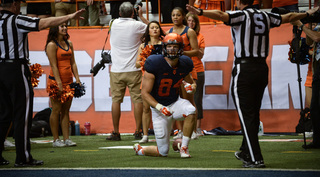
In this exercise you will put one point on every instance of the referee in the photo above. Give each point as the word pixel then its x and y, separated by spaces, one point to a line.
pixel 250 33
pixel 16 93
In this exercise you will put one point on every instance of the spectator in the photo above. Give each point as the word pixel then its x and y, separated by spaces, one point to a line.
pixel 313 37
pixel 124 41
pixel 64 8
pixel 16 92
pixel 151 38
pixel 92 13
pixel 59 50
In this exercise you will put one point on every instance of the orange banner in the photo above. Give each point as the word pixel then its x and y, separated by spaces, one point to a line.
pixel 280 108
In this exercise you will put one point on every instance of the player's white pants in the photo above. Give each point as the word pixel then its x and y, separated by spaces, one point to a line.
pixel 162 124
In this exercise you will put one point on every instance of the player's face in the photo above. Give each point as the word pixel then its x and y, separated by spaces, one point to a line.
pixel 176 17
pixel 63 29
pixel 154 30
pixel 191 22
pixel 172 49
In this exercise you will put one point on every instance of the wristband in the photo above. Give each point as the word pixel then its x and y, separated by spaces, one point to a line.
pixel 201 12
pixel 158 106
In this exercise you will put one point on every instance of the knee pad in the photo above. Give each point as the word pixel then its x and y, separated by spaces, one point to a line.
pixel 162 138
pixel 159 131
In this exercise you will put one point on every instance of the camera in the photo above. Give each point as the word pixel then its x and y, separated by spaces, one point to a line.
pixel 303 57
pixel 137 4
pixel 105 58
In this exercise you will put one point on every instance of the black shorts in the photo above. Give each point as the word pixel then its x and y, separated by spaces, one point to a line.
pixel 39 8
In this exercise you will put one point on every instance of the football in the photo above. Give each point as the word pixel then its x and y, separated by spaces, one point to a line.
pixel 176 145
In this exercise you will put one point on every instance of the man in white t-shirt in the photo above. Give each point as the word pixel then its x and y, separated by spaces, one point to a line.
pixel 125 40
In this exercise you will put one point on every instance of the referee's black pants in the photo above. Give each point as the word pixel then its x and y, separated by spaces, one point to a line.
pixel 248 85
pixel 315 105
pixel 16 106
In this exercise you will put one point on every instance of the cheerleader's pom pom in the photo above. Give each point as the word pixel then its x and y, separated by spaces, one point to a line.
pixel 79 89
pixel 36 70
pixel 53 89
pixel 67 94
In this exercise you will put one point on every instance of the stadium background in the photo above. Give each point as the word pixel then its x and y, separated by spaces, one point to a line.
pixel 280 108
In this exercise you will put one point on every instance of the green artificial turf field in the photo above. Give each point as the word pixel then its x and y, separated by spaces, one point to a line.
pixel 207 152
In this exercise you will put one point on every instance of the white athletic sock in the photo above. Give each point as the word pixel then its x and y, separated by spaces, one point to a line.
pixel 185 141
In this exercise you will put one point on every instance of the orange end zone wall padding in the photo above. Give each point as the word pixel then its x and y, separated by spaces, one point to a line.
pixel 90 40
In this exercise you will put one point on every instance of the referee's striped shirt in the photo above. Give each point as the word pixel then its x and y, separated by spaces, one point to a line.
pixel 14 35
pixel 250 32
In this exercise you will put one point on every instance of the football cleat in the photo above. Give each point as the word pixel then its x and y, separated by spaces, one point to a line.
pixel 179 135
pixel 184 152
pixel 137 148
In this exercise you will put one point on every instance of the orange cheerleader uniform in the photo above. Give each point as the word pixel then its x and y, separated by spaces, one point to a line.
pixel 198 65
pixel 64 65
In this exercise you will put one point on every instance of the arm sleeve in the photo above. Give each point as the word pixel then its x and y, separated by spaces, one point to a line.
pixel 236 18
pixel 27 24
pixel 275 19
pixel 141 27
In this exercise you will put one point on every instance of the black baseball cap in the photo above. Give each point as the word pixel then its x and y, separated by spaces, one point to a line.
pixel 10 1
